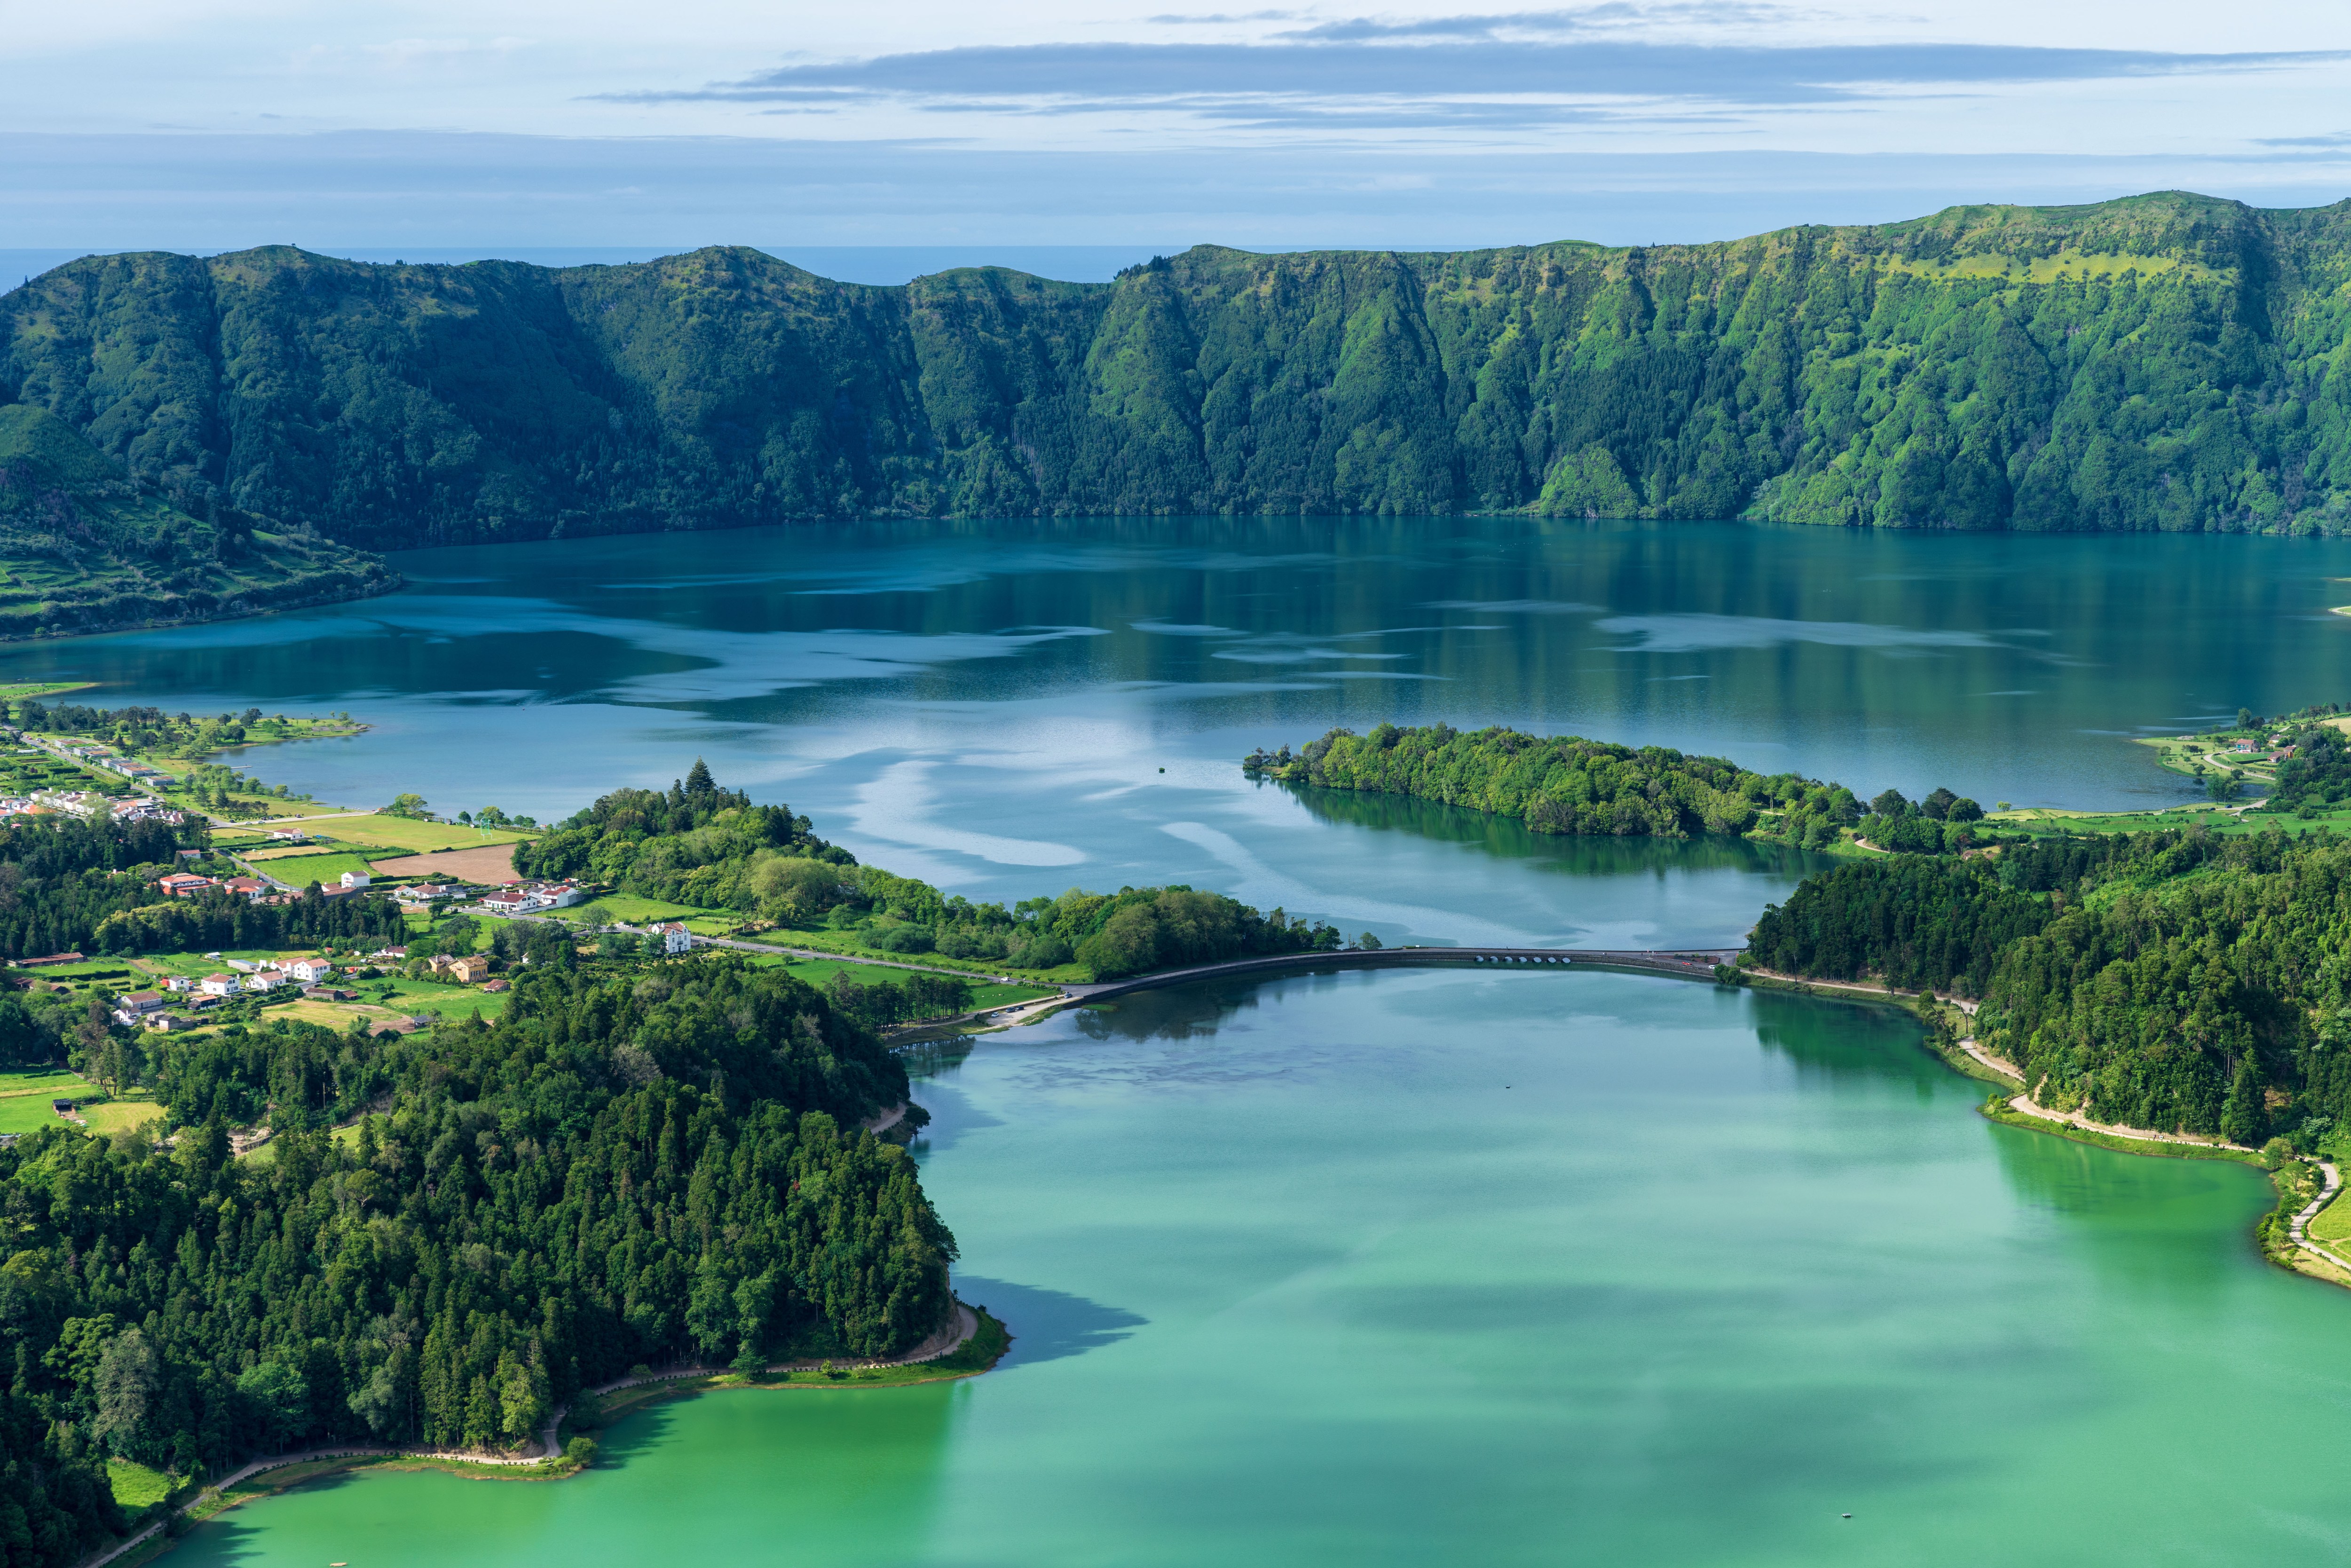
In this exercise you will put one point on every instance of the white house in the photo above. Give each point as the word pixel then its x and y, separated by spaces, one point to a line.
pixel 178 983
pixel 264 979
pixel 674 939
pixel 220 984
pixel 309 970
pixel 356 878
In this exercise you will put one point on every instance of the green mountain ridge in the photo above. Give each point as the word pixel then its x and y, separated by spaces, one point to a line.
pixel 2166 362
pixel 85 548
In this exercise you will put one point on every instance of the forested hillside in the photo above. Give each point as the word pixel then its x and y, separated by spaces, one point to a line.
pixel 2173 980
pixel 2168 362
pixel 83 547
pixel 635 1165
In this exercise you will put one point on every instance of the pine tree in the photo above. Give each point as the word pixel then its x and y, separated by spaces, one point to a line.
pixel 2244 1116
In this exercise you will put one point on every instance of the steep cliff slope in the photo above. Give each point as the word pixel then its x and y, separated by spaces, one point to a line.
pixel 2169 361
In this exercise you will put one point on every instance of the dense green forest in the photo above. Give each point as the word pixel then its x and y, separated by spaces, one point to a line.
pixel 701 844
pixel 2175 980
pixel 1566 784
pixel 638 1164
pixel 84 547
pixel 2167 361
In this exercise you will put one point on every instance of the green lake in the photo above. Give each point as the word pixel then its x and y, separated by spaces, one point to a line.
pixel 1633 1271
pixel 1409 1266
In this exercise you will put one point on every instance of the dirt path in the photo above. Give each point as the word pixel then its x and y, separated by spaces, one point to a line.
pixel 2298 1228
pixel 2024 1105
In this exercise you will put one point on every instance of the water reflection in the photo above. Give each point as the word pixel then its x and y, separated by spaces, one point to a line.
pixel 1566 854
pixel 1048 1326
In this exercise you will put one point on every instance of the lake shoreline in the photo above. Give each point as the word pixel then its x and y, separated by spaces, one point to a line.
pixel 982 1345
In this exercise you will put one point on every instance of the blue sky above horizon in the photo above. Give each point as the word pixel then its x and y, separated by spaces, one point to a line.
pixel 521 125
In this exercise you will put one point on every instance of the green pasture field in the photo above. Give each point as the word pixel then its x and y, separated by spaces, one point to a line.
pixel 2211 818
pixel 301 870
pixel 89 968
pixel 819 972
pixel 29 1112
pixel 404 995
pixel 47 1082
pixel 610 908
pixel 2333 1223
pixel 11 690
pixel 844 943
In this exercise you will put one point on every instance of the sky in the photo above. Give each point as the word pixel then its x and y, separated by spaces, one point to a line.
pixel 919 128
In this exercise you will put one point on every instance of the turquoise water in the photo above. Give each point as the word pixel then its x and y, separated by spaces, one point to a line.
pixel 1633 1271
pixel 990 706
pixel 1403 1266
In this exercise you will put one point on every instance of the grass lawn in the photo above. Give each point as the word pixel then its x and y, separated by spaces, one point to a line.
pixel 45 1081
pixel 819 972
pixel 845 943
pixel 2211 818
pixel 113 1116
pixel 302 869
pixel 88 969
pixel 11 690
pixel 406 998
pixel 135 1486
pixel 2333 1222
pixel 403 834
pixel 629 907
pixel 28 1113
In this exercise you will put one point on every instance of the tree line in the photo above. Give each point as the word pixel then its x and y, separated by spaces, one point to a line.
pixel 1566 784
pixel 2178 981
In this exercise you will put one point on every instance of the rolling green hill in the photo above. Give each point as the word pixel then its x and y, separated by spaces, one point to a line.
pixel 2169 361
pixel 83 547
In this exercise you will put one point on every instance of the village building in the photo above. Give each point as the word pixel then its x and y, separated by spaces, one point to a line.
pixel 674 939
pixel 165 1023
pixel 472 966
pixel 311 970
pixel 182 883
pixel 220 984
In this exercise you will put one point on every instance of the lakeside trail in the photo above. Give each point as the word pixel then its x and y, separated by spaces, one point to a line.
pixel 949 1339
pixel 2298 1227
